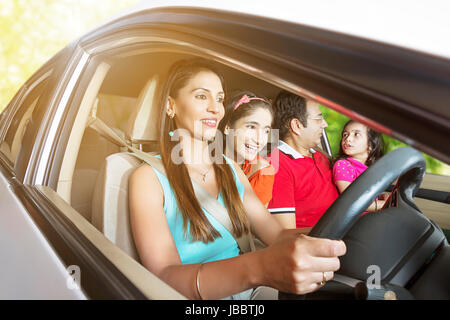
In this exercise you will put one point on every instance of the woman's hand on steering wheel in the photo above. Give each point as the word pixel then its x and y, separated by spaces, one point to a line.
pixel 300 264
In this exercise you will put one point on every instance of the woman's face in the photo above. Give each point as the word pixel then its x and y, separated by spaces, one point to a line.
pixel 355 140
pixel 198 107
pixel 251 133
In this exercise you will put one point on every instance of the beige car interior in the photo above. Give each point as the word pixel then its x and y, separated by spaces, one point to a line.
pixel 436 211
pixel 68 173
pixel 110 200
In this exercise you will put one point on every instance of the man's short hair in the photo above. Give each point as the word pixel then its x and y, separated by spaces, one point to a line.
pixel 288 106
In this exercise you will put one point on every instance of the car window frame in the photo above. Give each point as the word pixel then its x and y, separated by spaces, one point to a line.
pixel 6 113
pixel 352 46
pixel 39 82
pixel 172 40
pixel 123 31
pixel 26 158
pixel 300 56
pixel 112 38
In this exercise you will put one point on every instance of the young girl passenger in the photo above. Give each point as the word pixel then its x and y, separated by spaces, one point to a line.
pixel 360 147
pixel 246 128
pixel 181 242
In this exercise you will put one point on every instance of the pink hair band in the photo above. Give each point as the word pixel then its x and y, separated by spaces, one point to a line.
pixel 246 99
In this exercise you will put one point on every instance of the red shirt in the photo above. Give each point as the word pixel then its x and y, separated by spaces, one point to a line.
pixel 302 185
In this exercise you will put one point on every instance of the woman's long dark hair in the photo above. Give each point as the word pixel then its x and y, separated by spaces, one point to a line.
pixel 194 219
pixel 374 142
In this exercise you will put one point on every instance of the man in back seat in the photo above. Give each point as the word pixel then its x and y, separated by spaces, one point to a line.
pixel 303 187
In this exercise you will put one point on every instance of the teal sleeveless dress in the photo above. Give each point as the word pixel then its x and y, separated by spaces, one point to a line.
pixel 190 251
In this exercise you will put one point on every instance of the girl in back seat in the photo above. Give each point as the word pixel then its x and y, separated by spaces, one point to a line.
pixel 184 244
pixel 360 147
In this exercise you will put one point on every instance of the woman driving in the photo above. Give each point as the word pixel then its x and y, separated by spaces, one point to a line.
pixel 185 245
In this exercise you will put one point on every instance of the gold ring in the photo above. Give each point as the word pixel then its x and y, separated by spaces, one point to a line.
pixel 324 279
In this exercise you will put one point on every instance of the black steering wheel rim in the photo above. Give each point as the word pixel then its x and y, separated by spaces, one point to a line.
pixel 405 163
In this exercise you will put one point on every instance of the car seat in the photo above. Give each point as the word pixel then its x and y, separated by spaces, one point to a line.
pixel 110 212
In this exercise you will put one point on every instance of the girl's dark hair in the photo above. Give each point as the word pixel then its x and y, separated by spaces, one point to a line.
pixel 232 115
pixel 374 142
pixel 194 219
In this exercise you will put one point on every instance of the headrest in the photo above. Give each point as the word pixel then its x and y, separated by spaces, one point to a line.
pixel 143 124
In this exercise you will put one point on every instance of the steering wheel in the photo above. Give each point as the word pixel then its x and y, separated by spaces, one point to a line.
pixel 406 164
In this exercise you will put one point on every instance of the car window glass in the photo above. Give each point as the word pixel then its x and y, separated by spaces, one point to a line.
pixel 14 134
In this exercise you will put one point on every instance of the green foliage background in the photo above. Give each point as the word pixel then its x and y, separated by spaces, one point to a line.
pixel 32 31
pixel 336 122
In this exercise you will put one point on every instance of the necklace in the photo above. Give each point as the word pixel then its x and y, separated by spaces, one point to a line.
pixel 203 174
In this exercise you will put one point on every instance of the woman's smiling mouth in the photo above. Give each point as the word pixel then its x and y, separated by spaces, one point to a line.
pixel 210 122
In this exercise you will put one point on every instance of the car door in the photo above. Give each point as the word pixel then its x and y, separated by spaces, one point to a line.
pixel 30 267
